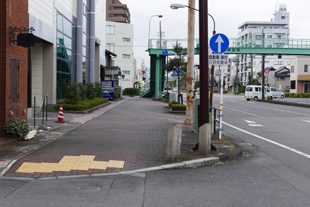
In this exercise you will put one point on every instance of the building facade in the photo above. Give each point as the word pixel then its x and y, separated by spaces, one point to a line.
pixel 70 45
pixel 119 40
pixel 117 12
pixel 14 62
pixel 300 75
pixel 277 28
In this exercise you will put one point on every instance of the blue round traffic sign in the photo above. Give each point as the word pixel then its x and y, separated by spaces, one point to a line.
pixel 219 43
pixel 267 70
pixel 165 52
pixel 175 72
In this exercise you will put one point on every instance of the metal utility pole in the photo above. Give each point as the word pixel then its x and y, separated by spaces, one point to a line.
pixel 190 62
pixel 263 67
pixel 204 63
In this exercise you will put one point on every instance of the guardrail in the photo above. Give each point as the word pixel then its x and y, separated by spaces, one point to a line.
pixel 145 89
pixel 237 43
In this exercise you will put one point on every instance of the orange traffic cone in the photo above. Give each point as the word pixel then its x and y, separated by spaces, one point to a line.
pixel 60 115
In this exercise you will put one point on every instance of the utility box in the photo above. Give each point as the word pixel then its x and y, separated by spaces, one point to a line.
pixel 172 97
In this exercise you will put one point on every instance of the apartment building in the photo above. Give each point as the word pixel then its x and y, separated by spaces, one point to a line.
pixel 277 28
pixel 117 12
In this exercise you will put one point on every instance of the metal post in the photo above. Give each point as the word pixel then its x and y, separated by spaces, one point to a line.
pixel 34 112
pixel 43 106
pixel 251 69
pixel 263 67
pixel 212 79
pixel 190 62
pixel 203 59
pixel 46 106
pixel 221 106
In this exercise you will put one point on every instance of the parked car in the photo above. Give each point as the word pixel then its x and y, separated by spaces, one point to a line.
pixel 276 93
pixel 255 92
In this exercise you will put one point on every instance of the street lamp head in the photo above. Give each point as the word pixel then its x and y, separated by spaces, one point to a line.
pixel 177 6
pixel 160 16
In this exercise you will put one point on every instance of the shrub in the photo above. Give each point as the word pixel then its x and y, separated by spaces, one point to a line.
pixel 237 92
pixel 269 98
pixel 117 96
pixel 215 91
pixel 296 95
pixel 82 105
pixel 178 107
pixel 241 89
pixel 98 90
pixel 18 127
pixel 82 90
pixel 72 92
pixel 287 95
pixel 90 91
pixel 225 91
pixel 131 92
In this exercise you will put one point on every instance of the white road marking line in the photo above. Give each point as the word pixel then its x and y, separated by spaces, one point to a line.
pixel 250 122
pixel 270 141
pixel 256 125
pixel 306 121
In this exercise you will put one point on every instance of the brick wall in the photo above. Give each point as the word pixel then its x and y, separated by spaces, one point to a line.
pixel 14 13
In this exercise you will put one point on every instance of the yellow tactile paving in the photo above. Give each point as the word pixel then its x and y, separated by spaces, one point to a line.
pixel 116 164
pixel 67 163
pixel 99 165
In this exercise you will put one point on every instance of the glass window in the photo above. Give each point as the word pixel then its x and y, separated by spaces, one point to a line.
pixel 126 72
pixel 249 89
pixel 305 68
pixel 111 7
pixel 125 39
pixel 126 56
pixel 111 15
pixel 110 47
pixel 292 69
pixel 293 84
pixel 110 29
pixel 282 17
pixel 288 62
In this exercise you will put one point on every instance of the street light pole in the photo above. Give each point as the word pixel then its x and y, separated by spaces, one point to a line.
pixel 263 66
pixel 159 16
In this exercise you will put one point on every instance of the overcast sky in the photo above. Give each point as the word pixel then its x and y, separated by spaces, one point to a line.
pixel 228 15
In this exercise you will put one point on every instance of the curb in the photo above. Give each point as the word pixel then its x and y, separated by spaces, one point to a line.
pixel 286 103
pixel 209 161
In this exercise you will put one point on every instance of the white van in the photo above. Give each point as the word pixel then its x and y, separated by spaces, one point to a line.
pixel 255 92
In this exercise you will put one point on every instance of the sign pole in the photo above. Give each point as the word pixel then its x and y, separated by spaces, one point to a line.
pixel 221 106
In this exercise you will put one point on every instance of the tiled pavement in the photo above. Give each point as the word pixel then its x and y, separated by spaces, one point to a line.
pixel 135 132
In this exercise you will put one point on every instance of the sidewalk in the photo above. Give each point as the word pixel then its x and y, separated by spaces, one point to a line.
pixel 127 135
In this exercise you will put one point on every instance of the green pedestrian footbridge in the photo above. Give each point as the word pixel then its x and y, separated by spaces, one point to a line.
pixel 267 46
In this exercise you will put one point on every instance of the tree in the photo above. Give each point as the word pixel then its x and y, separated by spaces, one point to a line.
pixel 236 82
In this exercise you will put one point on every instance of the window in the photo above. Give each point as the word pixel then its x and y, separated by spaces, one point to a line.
pixel 14 67
pixel 111 15
pixel 126 72
pixel 249 89
pixel 292 69
pixel 125 39
pixel 110 47
pixel 293 84
pixel 269 36
pixel 278 62
pixel 282 17
pixel 111 7
pixel 258 36
pixel 280 78
pixel 257 89
pixel 110 29
pixel 279 36
pixel 288 62
pixel 126 56
pixel 305 68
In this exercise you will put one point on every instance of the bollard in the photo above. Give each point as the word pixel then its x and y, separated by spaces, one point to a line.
pixel 174 143
pixel 205 139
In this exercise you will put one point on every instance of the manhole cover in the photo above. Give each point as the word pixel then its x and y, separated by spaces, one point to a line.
pixel 88 188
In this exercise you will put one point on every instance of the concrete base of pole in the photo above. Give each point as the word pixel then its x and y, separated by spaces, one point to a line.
pixel 174 143
pixel 212 122
pixel 205 139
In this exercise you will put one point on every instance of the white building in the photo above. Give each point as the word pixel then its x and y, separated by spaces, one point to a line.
pixel 69 45
pixel 277 28
pixel 300 75
pixel 119 40
pixel 140 69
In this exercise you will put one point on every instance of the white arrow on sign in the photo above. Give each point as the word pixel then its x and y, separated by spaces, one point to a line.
pixel 219 41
